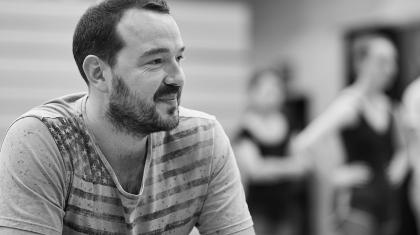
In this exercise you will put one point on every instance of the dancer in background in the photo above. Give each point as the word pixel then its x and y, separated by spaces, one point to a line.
pixel 411 109
pixel 271 175
pixel 361 117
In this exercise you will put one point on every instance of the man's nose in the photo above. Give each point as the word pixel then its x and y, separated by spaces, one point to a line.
pixel 176 76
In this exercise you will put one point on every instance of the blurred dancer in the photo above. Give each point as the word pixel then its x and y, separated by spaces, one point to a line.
pixel 411 102
pixel 271 174
pixel 362 119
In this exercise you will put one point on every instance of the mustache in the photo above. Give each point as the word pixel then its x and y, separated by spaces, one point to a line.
pixel 168 90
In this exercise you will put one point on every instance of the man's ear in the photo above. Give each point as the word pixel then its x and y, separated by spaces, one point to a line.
pixel 95 70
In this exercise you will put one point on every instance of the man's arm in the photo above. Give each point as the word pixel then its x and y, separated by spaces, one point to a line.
pixel 225 210
pixel 32 180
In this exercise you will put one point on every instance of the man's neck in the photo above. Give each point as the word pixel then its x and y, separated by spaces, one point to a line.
pixel 114 142
pixel 125 153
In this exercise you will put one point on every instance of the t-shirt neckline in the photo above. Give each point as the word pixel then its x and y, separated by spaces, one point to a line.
pixel 108 165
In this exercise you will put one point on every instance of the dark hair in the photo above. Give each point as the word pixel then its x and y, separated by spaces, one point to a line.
pixel 96 33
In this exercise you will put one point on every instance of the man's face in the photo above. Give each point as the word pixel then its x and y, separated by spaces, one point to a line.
pixel 147 78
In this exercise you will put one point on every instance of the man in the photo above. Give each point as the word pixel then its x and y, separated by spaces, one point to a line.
pixel 124 158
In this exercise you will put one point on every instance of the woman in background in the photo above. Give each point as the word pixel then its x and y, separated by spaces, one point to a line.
pixel 361 117
pixel 411 110
pixel 272 177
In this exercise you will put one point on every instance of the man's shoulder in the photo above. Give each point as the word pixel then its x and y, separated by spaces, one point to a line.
pixel 54 117
pixel 189 118
pixel 65 106
pixel 193 126
pixel 195 114
pixel 193 119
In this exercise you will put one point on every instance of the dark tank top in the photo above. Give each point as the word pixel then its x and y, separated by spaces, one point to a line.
pixel 363 144
pixel 273 199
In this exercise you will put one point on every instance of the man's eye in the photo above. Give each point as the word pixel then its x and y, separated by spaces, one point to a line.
pixel 156 61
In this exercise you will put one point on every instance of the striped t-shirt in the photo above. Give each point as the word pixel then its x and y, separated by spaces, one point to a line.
pixel 55 180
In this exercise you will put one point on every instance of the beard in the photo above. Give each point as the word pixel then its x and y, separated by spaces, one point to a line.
pixel 132 115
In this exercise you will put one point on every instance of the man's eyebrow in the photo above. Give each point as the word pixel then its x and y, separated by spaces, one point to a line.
pixel 155 51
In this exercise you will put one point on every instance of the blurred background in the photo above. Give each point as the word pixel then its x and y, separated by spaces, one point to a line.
pixel 226 41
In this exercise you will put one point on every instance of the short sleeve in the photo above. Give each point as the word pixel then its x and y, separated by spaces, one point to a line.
pixel 32 179
pixel 225 210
